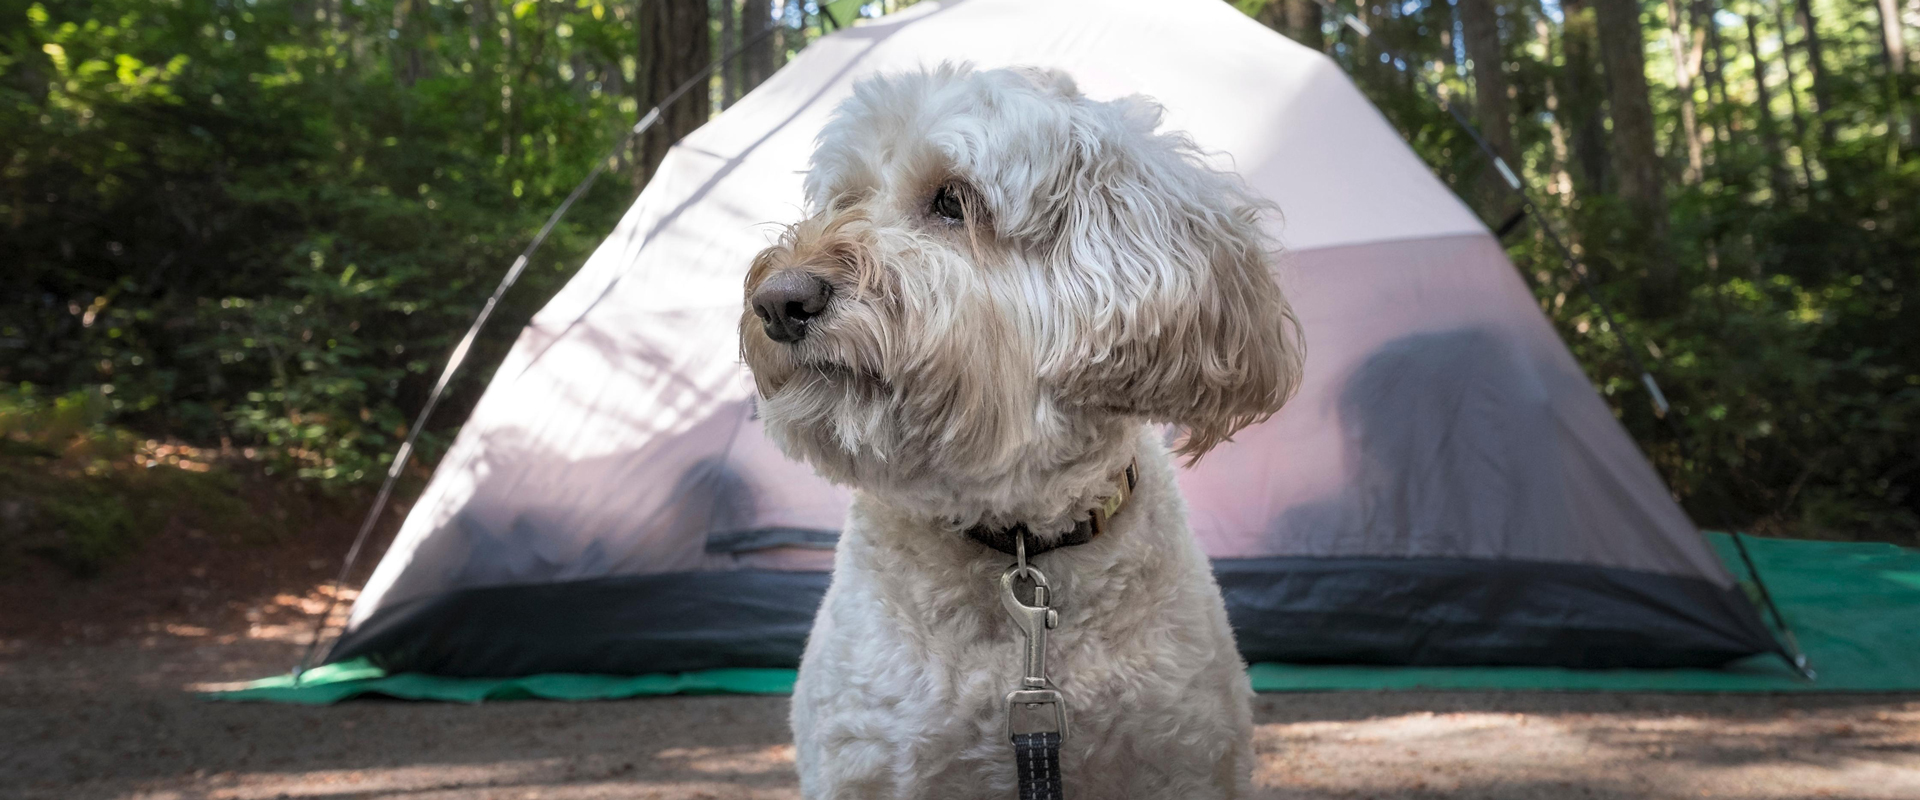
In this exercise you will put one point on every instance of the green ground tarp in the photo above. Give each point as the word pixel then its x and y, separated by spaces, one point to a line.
pixel 335 682
pixel 1855 608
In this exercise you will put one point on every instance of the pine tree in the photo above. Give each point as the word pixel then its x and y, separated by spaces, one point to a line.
pixel 1480 29
pixel 1622 51
pixel 675 45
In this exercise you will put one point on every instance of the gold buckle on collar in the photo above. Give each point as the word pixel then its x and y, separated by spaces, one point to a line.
pixel 1111 504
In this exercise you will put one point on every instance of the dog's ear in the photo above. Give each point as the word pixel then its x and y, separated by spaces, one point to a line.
pixel 1051 80
pixel 1172 276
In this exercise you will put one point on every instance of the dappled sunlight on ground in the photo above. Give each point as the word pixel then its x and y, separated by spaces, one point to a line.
pixel 154 453
pixel 674 772
pixel 1849 752
pixel 283 618
pixel 774 761
pixel 290 618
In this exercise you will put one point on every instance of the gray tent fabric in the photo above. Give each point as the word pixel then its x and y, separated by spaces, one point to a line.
pixel 1447 487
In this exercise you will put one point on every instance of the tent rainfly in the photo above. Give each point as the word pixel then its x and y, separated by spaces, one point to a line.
pixel 1447 488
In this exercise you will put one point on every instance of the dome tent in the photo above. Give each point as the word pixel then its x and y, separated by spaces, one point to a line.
pixel 1447 488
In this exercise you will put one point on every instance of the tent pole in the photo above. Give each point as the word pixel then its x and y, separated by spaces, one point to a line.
pixel 1662 409
pixel 460 351
pixel 1799 657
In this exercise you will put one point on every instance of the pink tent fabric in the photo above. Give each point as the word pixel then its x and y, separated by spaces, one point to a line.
pixel 1440 418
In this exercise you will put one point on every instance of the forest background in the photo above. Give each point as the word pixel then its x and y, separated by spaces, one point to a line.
pixel 241 236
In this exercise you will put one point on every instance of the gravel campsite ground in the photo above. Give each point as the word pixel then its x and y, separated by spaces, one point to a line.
pixel 97 703
pixel 111 721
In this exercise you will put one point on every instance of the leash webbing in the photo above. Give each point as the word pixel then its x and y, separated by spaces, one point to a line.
pixel 1036 756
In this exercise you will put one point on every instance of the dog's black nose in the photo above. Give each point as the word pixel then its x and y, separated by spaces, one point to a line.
pixel 786 302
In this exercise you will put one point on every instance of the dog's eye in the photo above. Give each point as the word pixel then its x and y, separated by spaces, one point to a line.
pixel 946 204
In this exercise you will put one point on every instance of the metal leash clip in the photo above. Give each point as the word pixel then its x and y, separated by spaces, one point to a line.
pixel 1035 690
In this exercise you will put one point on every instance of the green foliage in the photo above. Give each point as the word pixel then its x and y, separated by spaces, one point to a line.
pixel 267 222
pixel 1791 366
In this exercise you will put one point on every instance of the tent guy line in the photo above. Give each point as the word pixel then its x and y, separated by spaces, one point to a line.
pixel 459 355
pixel 1795 656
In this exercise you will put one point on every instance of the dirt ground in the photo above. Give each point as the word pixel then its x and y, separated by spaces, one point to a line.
pixel 96 703
pixel 112 722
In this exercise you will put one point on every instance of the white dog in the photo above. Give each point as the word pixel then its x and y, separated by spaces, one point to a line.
pixel 1001 285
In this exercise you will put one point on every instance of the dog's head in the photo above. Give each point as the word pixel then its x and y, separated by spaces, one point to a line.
pixel 999 273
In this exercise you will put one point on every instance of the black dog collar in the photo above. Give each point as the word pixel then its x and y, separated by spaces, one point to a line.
pixel 1007 539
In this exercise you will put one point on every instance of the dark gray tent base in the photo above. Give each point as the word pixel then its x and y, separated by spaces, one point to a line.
pixel 1470 612
pixel 1310 610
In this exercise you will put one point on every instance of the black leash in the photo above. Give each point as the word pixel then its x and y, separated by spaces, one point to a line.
pixel 1037 758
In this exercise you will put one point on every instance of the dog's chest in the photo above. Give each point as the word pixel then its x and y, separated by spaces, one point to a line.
pixel 923 686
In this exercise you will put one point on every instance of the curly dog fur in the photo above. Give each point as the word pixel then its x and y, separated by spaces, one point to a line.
pixel 1001 286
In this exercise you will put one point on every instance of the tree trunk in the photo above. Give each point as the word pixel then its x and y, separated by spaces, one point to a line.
pixel 1480 30
pixel 480 14
pixel 1793 95
pixel 1480 25
pixel 1303 23
pixel 407 64
pixel 1816 64
pixel 1684 67
pixel 1894 45
pixel 757 63
pixel 1582 96
pixel 1364 57
pixel 729 71
pixel 1704 12
pixel 1696 62
pixel 1562 185
pixel 509 108
pixel 675 45
pixel 1298 20
pixel 788 37
pixel 527 80
pixel 1273 14
pixel 1769 133
pixel 1402 78
pixel 1623 52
